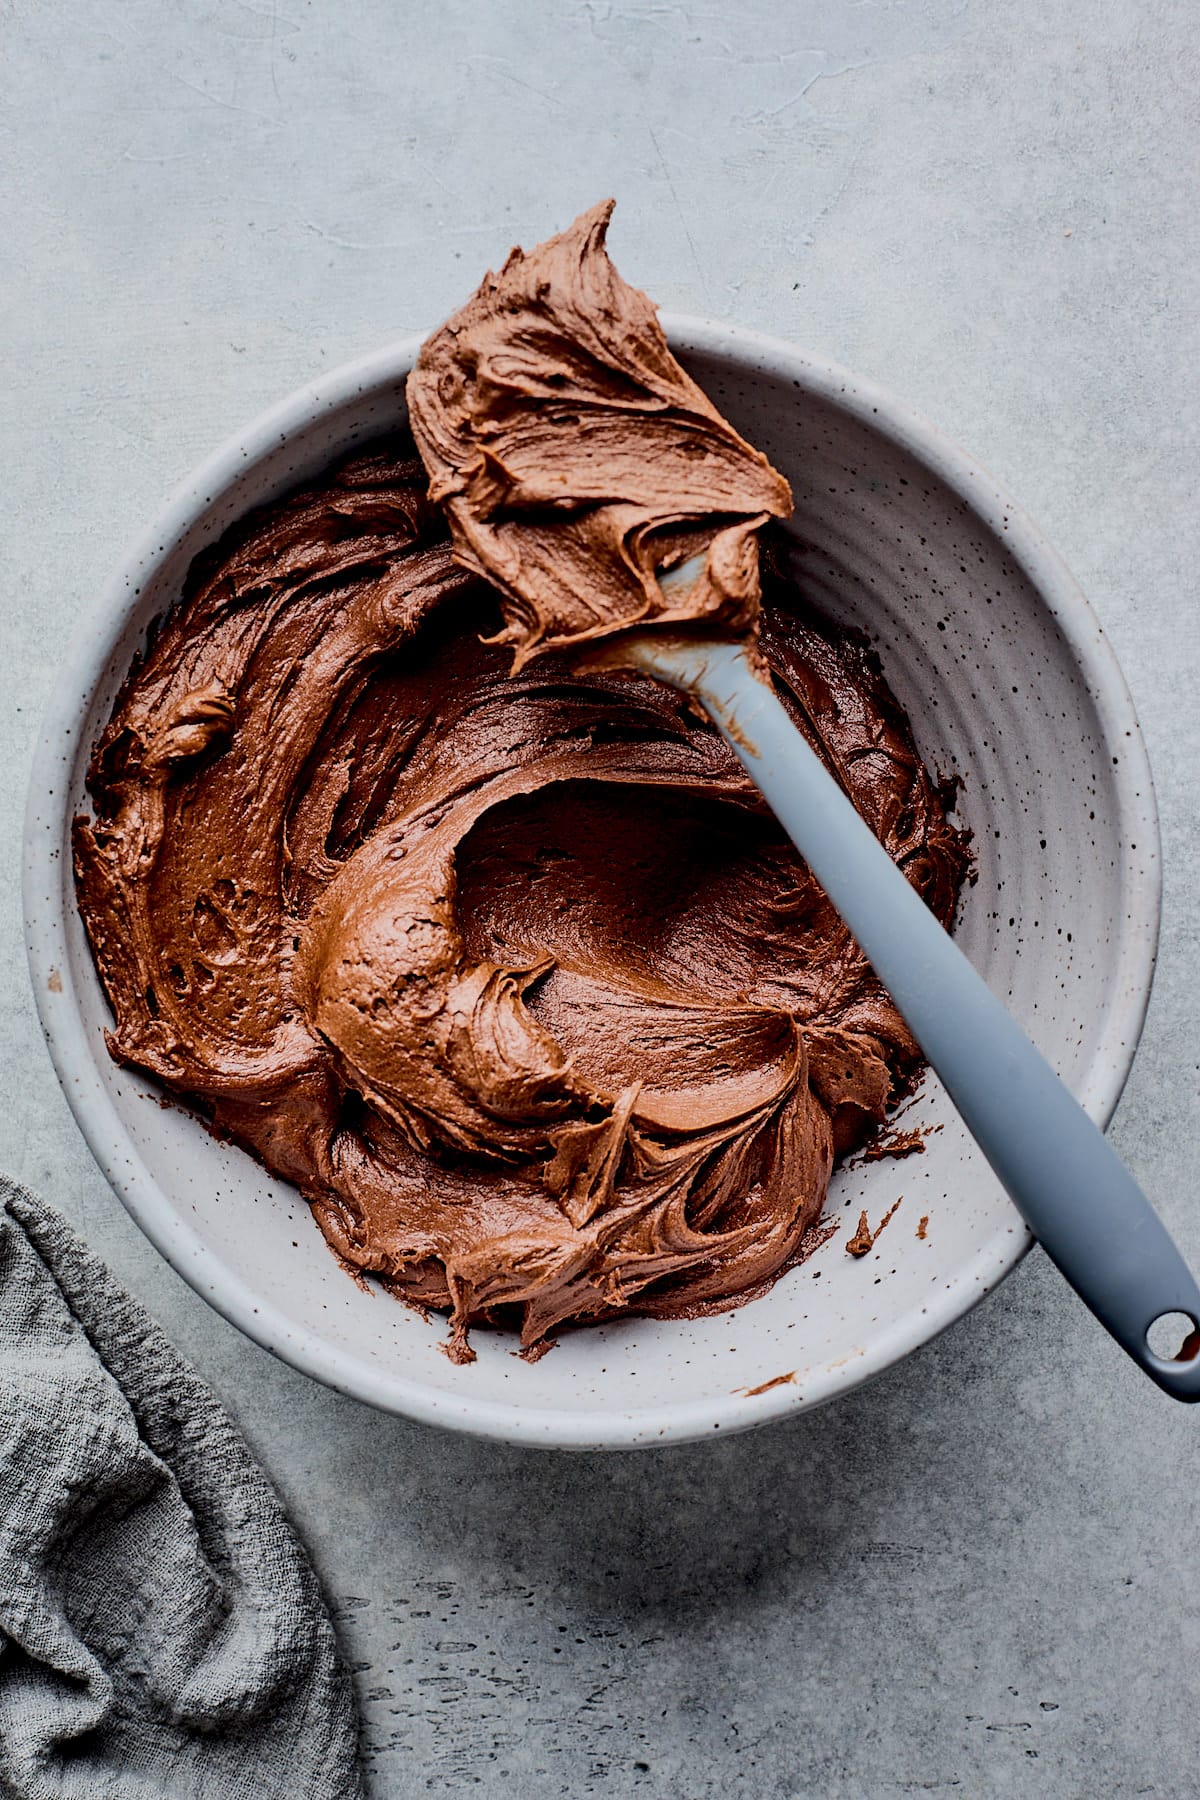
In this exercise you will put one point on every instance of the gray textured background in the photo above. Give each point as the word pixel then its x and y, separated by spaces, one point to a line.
pixel 979 1575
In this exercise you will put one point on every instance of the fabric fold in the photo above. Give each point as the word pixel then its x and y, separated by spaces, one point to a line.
pixel 162 1634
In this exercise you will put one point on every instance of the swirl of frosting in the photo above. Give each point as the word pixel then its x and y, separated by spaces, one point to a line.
pixel 507 967
pixel 510 973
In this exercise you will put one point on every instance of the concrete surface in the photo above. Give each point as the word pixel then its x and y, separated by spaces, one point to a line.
pixel 978 1576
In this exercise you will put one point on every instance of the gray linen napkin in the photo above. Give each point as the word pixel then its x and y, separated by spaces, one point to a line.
pixel 162 1636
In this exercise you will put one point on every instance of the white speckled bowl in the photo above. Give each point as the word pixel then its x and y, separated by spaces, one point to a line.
pixel 1008 680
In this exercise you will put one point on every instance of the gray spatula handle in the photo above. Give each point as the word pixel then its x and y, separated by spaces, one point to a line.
pixel 1071 1188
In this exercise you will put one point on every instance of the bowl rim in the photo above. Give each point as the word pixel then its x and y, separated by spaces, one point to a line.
pixel 1098 1086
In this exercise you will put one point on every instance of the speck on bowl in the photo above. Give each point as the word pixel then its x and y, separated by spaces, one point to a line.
pixel 1009 683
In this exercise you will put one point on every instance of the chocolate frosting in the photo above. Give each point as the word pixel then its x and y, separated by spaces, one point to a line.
pixel 576 460
pixel 507 968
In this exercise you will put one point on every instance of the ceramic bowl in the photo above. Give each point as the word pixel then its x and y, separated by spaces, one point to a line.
pixel 1009 683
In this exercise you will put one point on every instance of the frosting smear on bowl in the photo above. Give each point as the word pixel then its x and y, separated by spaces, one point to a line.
pixel 503 961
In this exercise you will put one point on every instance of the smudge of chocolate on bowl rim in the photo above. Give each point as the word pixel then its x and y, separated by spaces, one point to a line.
pixel 864 1239
pixel 764 1387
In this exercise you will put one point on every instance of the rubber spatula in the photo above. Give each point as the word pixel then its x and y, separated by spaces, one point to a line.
pixel 1069 1185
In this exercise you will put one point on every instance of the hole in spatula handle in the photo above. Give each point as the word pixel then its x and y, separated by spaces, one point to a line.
pixel 1174 1337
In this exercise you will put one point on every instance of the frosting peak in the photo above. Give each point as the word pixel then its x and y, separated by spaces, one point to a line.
pixel 575 458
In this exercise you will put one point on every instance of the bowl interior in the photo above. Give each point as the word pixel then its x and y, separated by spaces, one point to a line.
pixel 1008 685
